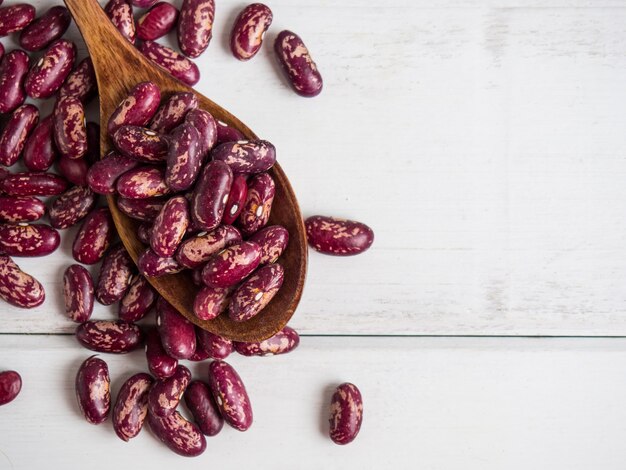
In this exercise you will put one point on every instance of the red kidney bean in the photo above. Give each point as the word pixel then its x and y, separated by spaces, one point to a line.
pixel 74 170
pixel 26 240
pixel 71 207
pixel 131 406
pixel 81 82
pixel 78 293
pixel 143 3
pixel 273 240
pixel 181 436
pixel 178 334
pixel 140 143
pixel 232 265
pixel 249 29
pixel 13 70
pixel 137 108
pixel 211 301
pixel 48 74
pixel 47 28
pixel 226 133
pixel 70 133
pixel 17 287
pixel 236 198
pixel 120 13
pixel 218 347
pixel 15 133
pixel 152 265
pixel 159 20
pixel 94 236
pixel 195 26
pixel 33 184
pixel 210 195
pixel 159 363
pixel 338 237
pixel 173 111
pixel 115 276
pixel 142 182
pixel 346 414
pixel 39 150
pixel 256 292
pixel 230 395
pixel 141 209
pixel 15 18
pixel 143 232
pixel 286 340
pixel 169 227
pixel 206 126
pixel 202 405
pixel 117 337
pixel 21 209
pixel 171 61
pixel 93 390
pixel 246 156
pixel 295 60
pixel 166 394
pixel 10 386
pixel 183 158
pixel 258 205
pixel 103 175
pixel 197 250
pixel 137 301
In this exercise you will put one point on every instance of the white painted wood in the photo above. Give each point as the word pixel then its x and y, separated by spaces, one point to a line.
pixel 429 403
pixel 483 142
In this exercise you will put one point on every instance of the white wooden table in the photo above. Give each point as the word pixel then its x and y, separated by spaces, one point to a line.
pixel 484 142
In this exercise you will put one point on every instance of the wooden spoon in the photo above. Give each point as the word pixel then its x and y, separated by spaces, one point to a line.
pixel 119 67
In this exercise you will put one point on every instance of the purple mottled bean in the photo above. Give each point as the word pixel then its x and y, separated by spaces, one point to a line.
pixel 103 175
pixel 115 275
pixel 211 301
pixel 171 61
pixel 295 60
pixel 206 126
pixel 166 394
pixel 142 182
pixel 140 143
pixel 178 334
pixel 81 82
pixel 170 226
pixel 39 150
pixel 183 157
pixel 10 386
pixel 231 265
pixel 159 363
pixel 197 250
pixel 201 403
pixel 159 20
pixel 230 395
pixel 48 74
pixel 94 236
pixel 131 406
pixel 246 156
pixel 210 195
pixel 16 132
pixel 137 108
pixel 339 237
pixel 93 390
pixel 173 111
pixel 258 205
pixel 70 133
pixel 47 28
pixel 120 12
pixel 74 170
pixel 195 26
pixel 33 184
pixel 249 29
pixel 71 207
pixel 78 292
pixel 18 209
pixel 15 18
pixel 273 240
pixel 256 292
pixel 143 232
pixel 13 70
pixel 117 337
pixel 152 265
pixel 286 340
pixel 346 414
pixel 145 210
pixel 226 133
pixel 137 301
pixel 17 287
pixel 218 347
pixel 28 240
pixel 181 436
pixel 236 198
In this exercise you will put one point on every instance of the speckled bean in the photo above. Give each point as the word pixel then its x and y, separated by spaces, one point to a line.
pixel 218 347
pixel 159 20
pixel 115 275
pixel 27 240
pixel 338 237
pixel 273 240
pixel 78 292
pixel 232 265
pixel 48 74
pixel 195 26
pixel 346 414
pixel 211 301
pixel 159 363
pixel 286 340
pixel 249 29
pixel 170 226
pixel 142 182
pixel 171 61
pixel 295 60
pixel 178 334
pixel 152 265
pixel 246 156
pixel 141 209
pixel 166 394
pixel 137 301
pixel 33 184
pixel 74 170
pixel 47 28
pixel 10 386
pixel 131 406
pixel 197 250
pixel 206 126
pixel 81 82
pixel 17 287
pixel 236 198
pixel 137 108
pixel 181 436
pixel 210 195
pixel 70 133
pixel 71 207
pixel 94 236
pixel 173 111
pixel 230 395
pixel 16 132
pixel 93 390
pixel 258 205
pixel 103 175
pixel 18 209
pixel 39 150
pixel 120 12
pixel 183 157
pixel 117 336
pixel 226 133
pixel 140 143
pixel 201 403
pixel 13 70
pixel 15 17
pixel 256 292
